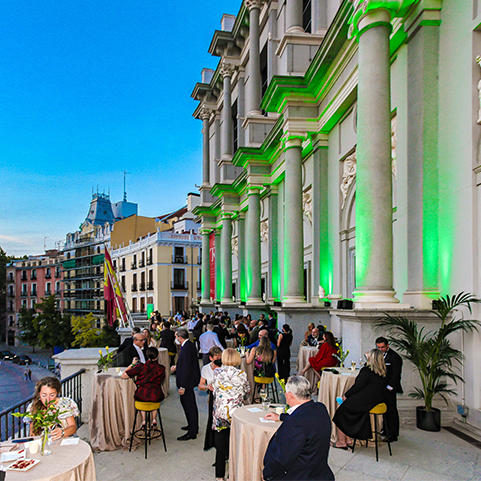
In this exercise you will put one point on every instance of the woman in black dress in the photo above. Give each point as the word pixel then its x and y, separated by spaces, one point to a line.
pixel 352 416
pixel 284 342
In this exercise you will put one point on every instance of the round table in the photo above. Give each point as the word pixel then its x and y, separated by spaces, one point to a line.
pixel 332 386
pixel 249 439
pixel 305 352
pixel 66 463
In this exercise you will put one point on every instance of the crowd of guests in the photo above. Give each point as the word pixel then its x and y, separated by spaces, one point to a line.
pixel 205 336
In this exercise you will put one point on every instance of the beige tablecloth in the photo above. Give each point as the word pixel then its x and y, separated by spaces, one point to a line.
pixel 249 438
pixel 112 411
pixel 249 370
pixel 332 386
pixel 305 352
pixel 66 463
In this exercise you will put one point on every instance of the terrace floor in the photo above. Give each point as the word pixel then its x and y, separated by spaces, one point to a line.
pixel 417 456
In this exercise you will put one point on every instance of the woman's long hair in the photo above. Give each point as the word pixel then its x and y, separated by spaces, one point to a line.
pixel 328 336
pixel 375 362
pixel 264 350
pixel 37 405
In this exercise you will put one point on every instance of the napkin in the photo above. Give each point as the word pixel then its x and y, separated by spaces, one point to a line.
pixel 69 441
pixel 254 410
pixel 267 420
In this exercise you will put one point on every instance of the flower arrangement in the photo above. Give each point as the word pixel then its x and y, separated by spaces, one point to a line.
pixel 341 354
pixel 44 420
pixel 104 361
pixel 281 382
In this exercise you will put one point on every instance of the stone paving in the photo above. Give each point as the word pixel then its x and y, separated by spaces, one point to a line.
pixel 417 456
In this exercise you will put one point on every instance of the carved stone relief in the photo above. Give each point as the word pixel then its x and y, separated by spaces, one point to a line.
pixel 348 176
pixel 235 246
pixel 226 69
pixel 394 145
pixel 478 61
pixel 307 204
pixel 265 231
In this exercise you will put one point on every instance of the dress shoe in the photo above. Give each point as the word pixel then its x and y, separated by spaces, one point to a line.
pixel 186 437
pixel 185 428
pixel 391 439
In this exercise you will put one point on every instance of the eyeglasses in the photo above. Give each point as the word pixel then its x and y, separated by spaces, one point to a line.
pixel 141 340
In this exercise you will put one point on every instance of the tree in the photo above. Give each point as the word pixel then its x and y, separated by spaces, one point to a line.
pixel 84 331
pixel 53 328
pixel 29 326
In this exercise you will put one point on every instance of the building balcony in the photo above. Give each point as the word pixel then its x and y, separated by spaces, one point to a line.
pixel 10 309
pixel 149 261
pixel 10 279
pixel 24 294
pixel 150 286
pixel 179 286
pixel 24 277
pixel 199 285
pixel 141 263
pixel 180 260
pixel 33 277
pixel 10 294
pixel 133 265
pixel 134 287
pixel 33 293
pixel 58 275
pixel 142 286
pixel 122 268
pixel 48 292
pixel 48 276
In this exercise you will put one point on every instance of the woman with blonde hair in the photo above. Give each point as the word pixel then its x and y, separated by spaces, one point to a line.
pixel 230 386
pixel 352 416
pixel 149 340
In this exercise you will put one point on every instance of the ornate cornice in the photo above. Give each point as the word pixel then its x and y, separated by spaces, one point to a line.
pixel 365 8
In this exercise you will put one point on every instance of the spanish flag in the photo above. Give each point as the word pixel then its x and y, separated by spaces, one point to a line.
pixel 114 300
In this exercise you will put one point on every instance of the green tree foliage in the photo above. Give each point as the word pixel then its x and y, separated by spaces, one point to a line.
pixel 84 330
pixel 29 326
pixel 53 328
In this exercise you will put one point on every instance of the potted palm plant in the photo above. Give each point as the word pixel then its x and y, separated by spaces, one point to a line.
pixel 435 359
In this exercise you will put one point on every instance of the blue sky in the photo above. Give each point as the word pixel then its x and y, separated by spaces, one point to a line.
pixel 89 89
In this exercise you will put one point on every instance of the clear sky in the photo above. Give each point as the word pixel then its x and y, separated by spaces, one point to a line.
pixel 89 89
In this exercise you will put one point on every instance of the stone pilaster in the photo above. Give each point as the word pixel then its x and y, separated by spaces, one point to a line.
pixel 226 259
pixel 205 267
pixel 218 266
pixel 205 116
pixel 241 262
pixel 226 72
pixel 253 247
pixel 293 225
pixel 274 287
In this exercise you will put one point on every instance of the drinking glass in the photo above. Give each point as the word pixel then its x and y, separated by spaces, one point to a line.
pixel 263 395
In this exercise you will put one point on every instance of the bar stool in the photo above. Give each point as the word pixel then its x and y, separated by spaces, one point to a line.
pixel 270 386
pixel 379 410
pixel 149 433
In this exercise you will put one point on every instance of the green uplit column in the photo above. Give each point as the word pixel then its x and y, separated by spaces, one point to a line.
pixel 205 267
pixel 241 256
pixel 253 247
pixel 226 259
pixel 274 289
pixel 293 224
pixel 374 237
pixel 218 266
pixel 254 84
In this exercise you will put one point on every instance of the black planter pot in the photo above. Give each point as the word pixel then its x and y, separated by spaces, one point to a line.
pixel 428 420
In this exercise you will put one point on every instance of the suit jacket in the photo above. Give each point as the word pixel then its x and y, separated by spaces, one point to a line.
pixel 187 370
pixel 128 354
pixel 394 364
pixel 167 340
pixel 222 334
pixel 300 447
pixel 129 341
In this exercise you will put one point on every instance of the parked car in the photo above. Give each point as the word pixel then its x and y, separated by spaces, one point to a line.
pixel 22 359
pixel 7 355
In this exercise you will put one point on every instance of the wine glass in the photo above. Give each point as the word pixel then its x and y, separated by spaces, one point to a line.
pixel 263 395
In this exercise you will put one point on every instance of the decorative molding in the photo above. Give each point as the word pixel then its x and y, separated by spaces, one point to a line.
pixel 394 146
pixel 307 203
pixel 235 246
pixel 205 113
pixel 265 231
pixel 226 69
pixel 348 176
pixel 250 4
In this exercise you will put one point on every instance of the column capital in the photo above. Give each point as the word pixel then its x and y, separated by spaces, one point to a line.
pixel 371 13
pixel 227 69
pixel 225 215
pixel 254 189
pixel 204 231
pixel 293 140
pixel 205 113
pixel 251 4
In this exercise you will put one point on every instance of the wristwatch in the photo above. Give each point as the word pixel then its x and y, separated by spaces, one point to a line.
pixel 63 432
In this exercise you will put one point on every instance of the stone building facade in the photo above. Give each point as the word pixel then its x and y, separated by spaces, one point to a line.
pixel 341 159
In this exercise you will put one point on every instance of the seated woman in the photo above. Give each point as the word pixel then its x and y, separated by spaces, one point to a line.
pixel 241 336
pixel 352 416
pixel 149 340
pixel 150 377
pixel 206 375
pixel 324 357
pixel 264 358
pixel 310 327
pixel 47 392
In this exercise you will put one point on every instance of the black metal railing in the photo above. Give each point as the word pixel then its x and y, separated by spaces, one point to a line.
pixel 142 286
pixel 133 265
pixel 150 285
pixel 179 285
pixel 177 259
pixel 122 268
pixel 15 427
pixel 48 276
pixel 141 263
pixel 149 261
pixel 134 287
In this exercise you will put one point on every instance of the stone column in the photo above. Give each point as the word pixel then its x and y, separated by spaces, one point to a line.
pixel 226 259
pixel 374 237
pixel 205 267
pixel 226 72
pixel 294 16
pixel 293 225
pixel 218 266
pixel 205 116
pixel 253 247
pixel 274 288
pixel 254 85
pixel 241 256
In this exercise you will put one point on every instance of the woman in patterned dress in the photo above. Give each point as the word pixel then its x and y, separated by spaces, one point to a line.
pixel 47 392
pixel 230 386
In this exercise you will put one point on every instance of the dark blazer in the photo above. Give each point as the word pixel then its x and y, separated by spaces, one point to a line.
pixel 222 334
pixel 168 340
pixel 129 341
pixel 300 447
pixel 187 370
pixel 127 355
pixel 394 364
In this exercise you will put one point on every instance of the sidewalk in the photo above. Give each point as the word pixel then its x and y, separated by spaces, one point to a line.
pixel 417 456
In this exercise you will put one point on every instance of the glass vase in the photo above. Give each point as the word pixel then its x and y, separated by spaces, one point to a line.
pixel 45 443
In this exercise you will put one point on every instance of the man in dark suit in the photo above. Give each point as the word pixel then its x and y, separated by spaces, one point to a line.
pixel 136 350
pixel 129 341
pixel 394 364
pixel 168 341
pixel 188 377
pixel 300 447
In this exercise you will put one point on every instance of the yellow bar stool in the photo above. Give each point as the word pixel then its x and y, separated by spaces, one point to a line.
pixel 270 386
pixel 379 410
pixel 148 433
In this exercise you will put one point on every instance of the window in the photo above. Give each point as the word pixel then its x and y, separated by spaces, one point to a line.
pixel 307 16
pixel 48 290
pixel 47 273
pixel 179 279
pixel 57 287
pixel 134 283
pixel 24 275
pixel 24 290
pixel 33 304
pixel 24 302
pixel 235 129
pixel 33 274
pixel 34 289
pixel 179 255
pixel 122 282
